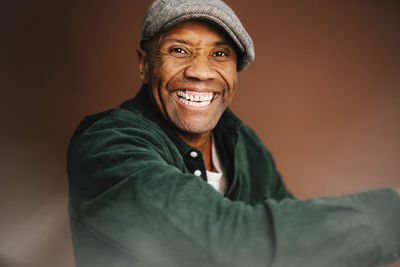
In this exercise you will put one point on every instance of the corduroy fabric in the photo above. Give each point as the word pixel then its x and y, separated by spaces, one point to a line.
pixel 163 14
pixel 134 201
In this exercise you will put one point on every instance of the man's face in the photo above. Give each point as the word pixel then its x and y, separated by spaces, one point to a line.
pixel 191 72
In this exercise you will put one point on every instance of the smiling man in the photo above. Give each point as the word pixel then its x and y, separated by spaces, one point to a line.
pixel 173 178
pixel 191 72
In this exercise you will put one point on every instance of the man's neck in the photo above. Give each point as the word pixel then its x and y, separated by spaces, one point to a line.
pixel 202 142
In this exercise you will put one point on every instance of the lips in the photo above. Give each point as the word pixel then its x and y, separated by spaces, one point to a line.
pixel 194 98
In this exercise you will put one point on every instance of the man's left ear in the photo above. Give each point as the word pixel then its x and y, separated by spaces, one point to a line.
pixel 143 66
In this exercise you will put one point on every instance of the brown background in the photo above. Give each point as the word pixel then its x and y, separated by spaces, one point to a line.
pixel 323 94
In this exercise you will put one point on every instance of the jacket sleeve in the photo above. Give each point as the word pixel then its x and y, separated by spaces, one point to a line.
pixel 123 190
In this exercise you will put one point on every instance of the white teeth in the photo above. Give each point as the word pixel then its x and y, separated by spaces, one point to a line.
pixel 195 99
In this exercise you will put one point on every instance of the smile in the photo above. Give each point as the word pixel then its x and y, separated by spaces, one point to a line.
pixel 195 99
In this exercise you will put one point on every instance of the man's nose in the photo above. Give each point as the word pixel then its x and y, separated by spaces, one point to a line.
pixel 200 69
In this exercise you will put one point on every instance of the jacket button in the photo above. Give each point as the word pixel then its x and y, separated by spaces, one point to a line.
pixel 197 172
pixel 193 154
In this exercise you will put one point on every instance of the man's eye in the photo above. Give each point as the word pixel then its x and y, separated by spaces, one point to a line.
pixel 178 50
pixel 220 54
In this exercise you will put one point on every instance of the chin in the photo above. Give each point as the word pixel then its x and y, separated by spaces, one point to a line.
pixel 195 129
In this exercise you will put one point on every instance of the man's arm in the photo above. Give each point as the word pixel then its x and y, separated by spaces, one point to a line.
pixel 124 191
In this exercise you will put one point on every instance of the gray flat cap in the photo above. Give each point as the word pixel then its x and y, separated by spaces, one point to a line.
pixel 163 14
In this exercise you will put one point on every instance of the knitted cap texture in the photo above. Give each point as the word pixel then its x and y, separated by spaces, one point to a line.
pixel 163 14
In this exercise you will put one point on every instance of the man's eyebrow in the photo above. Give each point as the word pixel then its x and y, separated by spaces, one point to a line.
pixel 182 41
pixel 223 43
pixel 187 42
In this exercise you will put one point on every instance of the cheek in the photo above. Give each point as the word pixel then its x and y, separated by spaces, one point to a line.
pixel 234 80
pixel 230 78
pixel 162 75
pixel 169 66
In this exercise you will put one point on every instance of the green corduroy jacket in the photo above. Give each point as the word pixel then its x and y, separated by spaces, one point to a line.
pixel 134 201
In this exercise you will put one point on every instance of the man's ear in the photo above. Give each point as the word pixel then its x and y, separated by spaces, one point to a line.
pixel 143 65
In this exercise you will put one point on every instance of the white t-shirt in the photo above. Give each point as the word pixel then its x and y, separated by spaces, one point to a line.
pixel 217 179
